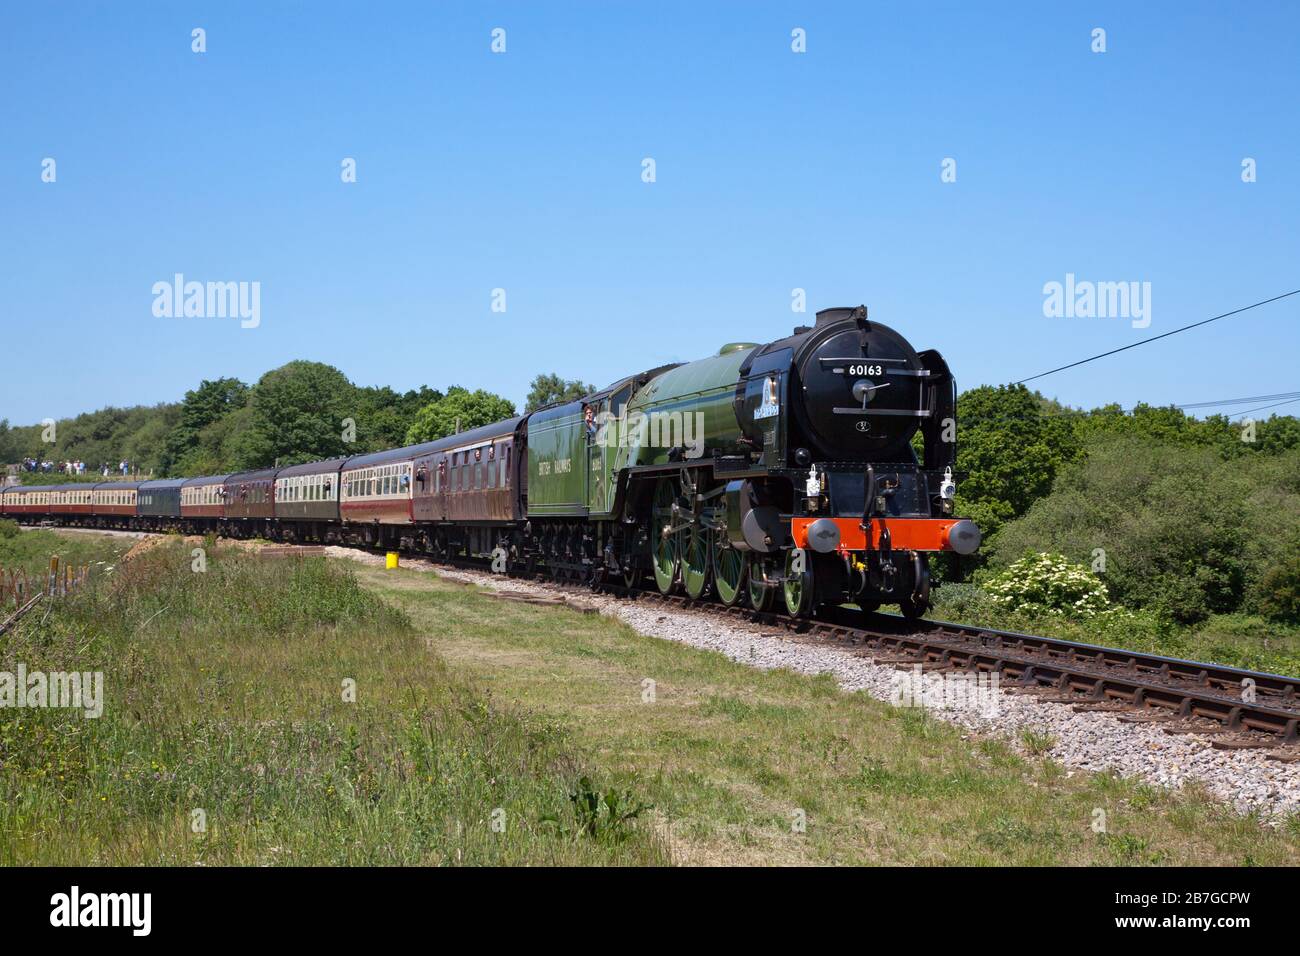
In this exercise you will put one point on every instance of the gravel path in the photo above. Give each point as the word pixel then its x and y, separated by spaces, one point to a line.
pixel 1245 779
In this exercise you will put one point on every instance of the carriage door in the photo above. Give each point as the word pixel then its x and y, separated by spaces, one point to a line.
pixel 441 478
pixel 423 474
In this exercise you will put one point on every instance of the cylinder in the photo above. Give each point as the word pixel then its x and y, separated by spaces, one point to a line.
pixel 390 561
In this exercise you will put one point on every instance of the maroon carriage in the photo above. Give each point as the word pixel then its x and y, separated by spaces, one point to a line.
pixel 250 502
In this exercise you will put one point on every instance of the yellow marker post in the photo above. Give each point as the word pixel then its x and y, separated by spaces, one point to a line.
pixel 391 561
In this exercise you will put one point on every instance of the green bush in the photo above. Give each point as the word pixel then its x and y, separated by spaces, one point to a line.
pixel 1279 588
pixel 1048 584
pixel 1183 531
pixel 964 603
pixel 8 528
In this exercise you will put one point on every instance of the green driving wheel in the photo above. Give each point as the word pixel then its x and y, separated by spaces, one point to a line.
pixel 666 556
pixel 696 562
pixel 728 571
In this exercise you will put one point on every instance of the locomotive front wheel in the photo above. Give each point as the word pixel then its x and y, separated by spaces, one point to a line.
pixel 696 562
pixel 760 592
pixel 729 574
pixel 798 586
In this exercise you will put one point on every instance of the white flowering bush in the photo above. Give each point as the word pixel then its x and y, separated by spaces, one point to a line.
pixel 1049 584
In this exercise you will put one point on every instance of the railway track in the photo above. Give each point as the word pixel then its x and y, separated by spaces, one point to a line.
pixel 1238 708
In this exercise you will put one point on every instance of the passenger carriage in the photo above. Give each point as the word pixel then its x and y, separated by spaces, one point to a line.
pixel 159 503
pixel 250 503
pixel 470 486
pixel 113 503
pixel 30 500
pixel 75 501
pixel 203 502
pixel 307 500
pixel 377 490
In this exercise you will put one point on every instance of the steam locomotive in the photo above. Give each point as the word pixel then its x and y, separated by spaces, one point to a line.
pixel 816 469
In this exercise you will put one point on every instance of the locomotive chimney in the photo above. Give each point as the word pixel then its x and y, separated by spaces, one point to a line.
pixel 841 313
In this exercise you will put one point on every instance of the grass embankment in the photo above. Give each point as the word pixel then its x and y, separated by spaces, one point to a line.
pixel 226 737
pixel 729 755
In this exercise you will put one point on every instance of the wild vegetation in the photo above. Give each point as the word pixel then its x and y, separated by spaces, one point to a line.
pixel 30 551
pixel 230 734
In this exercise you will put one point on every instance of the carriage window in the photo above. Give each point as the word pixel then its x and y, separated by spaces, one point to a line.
pixel 492 474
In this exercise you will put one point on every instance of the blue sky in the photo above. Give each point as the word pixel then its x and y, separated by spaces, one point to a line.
pixel 523 171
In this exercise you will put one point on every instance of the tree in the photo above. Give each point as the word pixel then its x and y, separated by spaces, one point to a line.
pixel 10 444
pixel 210 402
pixel 470 409
pixel 1010 443
pixel 549 388
pixel 297 414
pixel 382 416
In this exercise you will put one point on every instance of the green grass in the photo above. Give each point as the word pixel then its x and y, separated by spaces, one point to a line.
pixel 732 758
pixel 225 705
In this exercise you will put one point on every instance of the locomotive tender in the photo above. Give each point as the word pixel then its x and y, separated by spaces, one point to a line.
pixel 784 471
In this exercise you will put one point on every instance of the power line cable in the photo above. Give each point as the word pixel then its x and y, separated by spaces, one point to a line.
pixel 1163 335
pixel 1265 407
